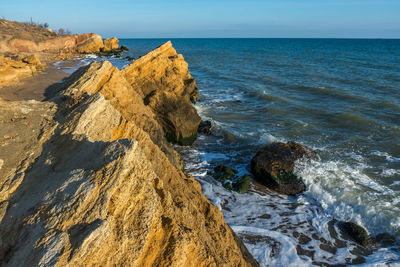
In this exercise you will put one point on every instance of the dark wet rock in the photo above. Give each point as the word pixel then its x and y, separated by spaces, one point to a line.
pixel 328 248
pixel 129 58
pixel 358 260
pixel 301 251
pixel 223 173
pixel 323 264
pixel 228 185
pixel 124 48
pixel 274 165
pixel 265 216
pixel 360 251
pixel 340 243
pixel 385 240
pixel 229 179
pixel 205 127
pixel 302 238
pixel 356 233
pixel 242 184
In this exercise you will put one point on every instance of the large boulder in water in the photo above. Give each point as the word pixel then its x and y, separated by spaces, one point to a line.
pixel 273 166
pixel 162 78
pixel 110 44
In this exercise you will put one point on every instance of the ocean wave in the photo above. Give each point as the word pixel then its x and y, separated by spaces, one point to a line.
pixel 348 194
pixel 386 155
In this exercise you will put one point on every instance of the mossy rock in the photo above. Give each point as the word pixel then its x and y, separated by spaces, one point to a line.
pixel 355 232
pixel 184 141
pixel 187 141
pixel 242 185
pixel 228 185
pixel 223 173
pixel 286 178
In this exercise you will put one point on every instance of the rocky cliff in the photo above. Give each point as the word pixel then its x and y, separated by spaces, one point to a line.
pixel 88 178
pixel 19 41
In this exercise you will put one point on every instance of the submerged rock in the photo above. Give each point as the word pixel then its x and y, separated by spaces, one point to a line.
pixel 229 179
pixel 356 233
pixel 242 185
pixel 385 239
pixel 223 173
pixel 274 165
pixel 205 127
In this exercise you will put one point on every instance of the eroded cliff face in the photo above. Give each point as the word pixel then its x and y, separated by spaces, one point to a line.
pixel 19 41
pixel 162 78
pixel 96 184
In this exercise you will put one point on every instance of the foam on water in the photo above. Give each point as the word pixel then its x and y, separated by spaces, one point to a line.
pixel 348 194
pixel 269 224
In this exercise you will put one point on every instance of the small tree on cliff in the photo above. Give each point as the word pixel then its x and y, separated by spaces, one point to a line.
pixel 62 31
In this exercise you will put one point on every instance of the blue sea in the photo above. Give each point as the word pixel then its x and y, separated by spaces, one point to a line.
pixel 340 97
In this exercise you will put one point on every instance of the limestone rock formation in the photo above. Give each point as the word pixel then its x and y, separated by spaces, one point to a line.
pixel 30 44
pixel 163 80
pixel 13 70
pixel 274 165
pixel 92 44
pixel 110 44
pixel 101 186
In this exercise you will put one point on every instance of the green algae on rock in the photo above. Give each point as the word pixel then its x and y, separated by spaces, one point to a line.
pixel 229 179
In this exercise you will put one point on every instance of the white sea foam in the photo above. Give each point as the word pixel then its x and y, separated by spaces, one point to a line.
pixel 386 155
pixel 285 255
pixel 91 56
pixel 348 194
pixel 389 172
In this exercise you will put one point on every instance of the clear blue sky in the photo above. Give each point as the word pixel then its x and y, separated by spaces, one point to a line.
pixel 214 18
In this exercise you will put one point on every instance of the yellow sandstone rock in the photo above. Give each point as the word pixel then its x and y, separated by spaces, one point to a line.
pixel 162 78
pixel 35 43
pixel 13 70
pixel 91 45
pixel 110 44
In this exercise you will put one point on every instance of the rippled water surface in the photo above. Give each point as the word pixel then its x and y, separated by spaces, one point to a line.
pixel 340 97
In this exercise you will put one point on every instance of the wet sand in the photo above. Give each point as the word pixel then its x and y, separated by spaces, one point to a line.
pixel 35 87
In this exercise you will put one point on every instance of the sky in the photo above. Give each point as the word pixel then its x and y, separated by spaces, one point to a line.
pixel 214 19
